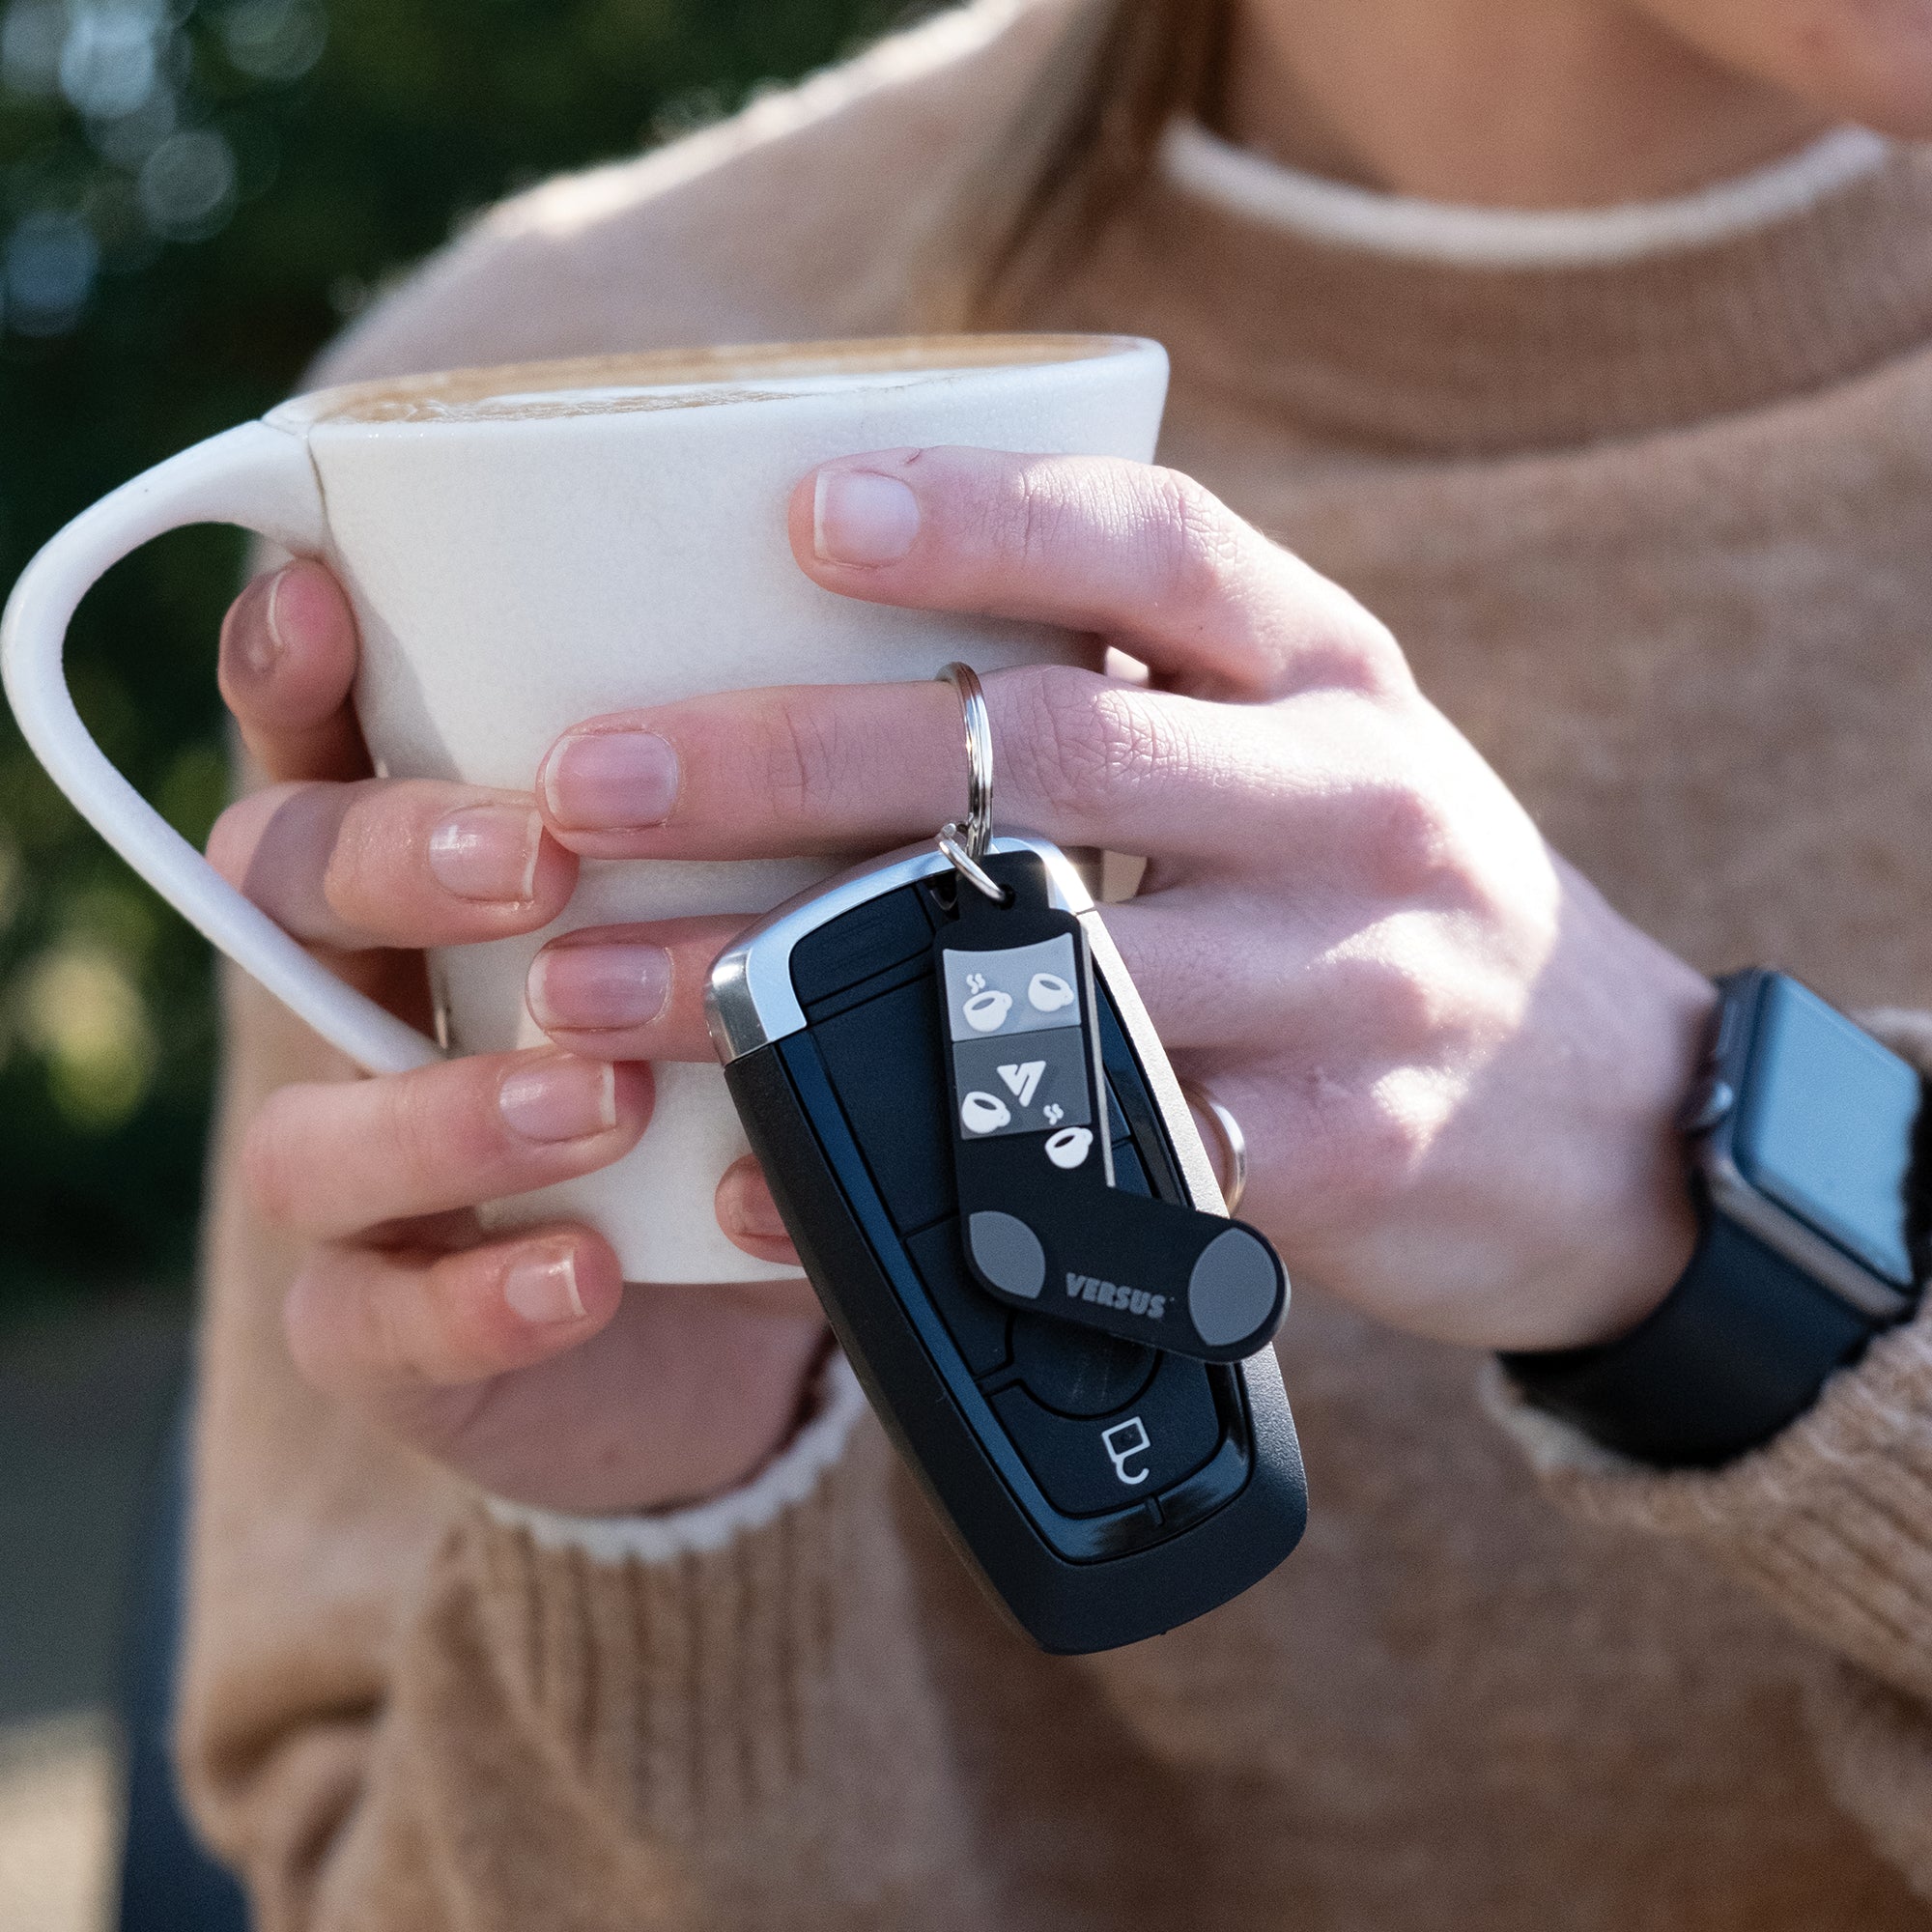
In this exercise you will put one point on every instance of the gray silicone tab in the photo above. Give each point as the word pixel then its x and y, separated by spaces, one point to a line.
pixel 1014 990
pixel 1230 1293
pixel 1009 1252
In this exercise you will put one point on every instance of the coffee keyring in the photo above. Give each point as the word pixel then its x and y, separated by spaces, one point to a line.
pixel 965 848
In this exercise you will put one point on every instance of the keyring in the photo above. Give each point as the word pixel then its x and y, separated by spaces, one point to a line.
pixel 965 848
pixel 1234 1142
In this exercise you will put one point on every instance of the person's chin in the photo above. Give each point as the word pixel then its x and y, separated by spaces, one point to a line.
pixel 1870 65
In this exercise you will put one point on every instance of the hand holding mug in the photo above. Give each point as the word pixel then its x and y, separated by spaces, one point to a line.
pixel 518 1359
pixel 1456 1066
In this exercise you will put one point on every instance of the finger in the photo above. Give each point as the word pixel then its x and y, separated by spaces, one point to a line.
pixel 637 992
pixel 749 1215
pixel 334 1159
pixel 364 1321
pixel 1145 557
pixel 1081 758
pixel 629 992
pixel 405 863
pixel 288 659
pixel 1212 970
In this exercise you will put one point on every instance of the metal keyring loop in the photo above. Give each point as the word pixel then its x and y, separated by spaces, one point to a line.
pixel 1234 1142
pixel 965 845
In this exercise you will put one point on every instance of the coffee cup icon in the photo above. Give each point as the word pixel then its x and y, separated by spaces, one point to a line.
pixel 984 1113
pixel 987 1012
pixel 1048 992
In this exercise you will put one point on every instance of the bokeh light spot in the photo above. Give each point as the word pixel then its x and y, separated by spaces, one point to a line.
pixel 274 39
pixel 129 139
pixel 50 264
pixel 82 1010
pixel 188 184
pixel 32 36
pixel 111 59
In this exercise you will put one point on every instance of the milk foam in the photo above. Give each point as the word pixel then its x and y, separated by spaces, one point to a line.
pixel 681 378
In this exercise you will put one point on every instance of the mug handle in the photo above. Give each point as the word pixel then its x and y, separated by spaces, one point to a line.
pixel 261 478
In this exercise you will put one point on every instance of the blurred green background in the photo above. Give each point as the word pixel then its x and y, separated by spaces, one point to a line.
pixel 193 197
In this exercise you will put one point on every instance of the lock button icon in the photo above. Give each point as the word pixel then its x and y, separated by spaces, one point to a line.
pixel 1123 1443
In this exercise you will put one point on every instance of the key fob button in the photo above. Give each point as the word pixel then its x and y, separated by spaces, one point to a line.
pixel 1231 1289
pixel 1112 1462
pixel 1077 1371
pixel 876 936
pixel 883 1062
pixel 975 1320
pixel 1007 1251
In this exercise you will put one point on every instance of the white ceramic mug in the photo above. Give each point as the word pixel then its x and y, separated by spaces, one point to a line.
pixel 532 546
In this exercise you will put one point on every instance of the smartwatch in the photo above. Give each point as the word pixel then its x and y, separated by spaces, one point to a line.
pixel 1810 1146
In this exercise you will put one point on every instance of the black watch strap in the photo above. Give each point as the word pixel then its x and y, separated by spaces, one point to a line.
pixel 1738 1350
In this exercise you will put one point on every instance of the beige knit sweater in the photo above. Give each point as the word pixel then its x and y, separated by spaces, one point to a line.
pixel 1650 506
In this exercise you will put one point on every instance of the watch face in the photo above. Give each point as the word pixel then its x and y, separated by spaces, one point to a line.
pixel 1828 1127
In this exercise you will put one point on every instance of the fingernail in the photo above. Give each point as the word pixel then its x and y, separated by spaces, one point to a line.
pixel 263 645
pixel 559 1099
pixel 542 1288
pixel 598 986
pixel 608 779
pixel 753 1212
pixel 860 516
pixel 486 852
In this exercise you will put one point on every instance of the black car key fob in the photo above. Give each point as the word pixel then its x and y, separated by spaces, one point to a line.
pixel 1044 1222
pixel 1105 1488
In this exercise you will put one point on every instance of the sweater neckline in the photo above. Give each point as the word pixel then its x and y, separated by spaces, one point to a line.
pixel 1795 278
pixel 1273 195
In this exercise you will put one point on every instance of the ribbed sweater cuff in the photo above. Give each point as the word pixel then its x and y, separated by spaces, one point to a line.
pixel 689 1685
pixel 787 1480
pixel 1831 1519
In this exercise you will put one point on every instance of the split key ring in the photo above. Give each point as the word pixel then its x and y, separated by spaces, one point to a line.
pixel 965 846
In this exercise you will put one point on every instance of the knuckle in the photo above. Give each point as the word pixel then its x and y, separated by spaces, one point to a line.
pixel 268 1167
pixel 305 1324
pixel 372 844
pixel 808 756
pixel 1372 1138
pixel 349 1318
pixel 1353 650
pixel 1379 663
pixel 448 1341
pixel 230 843
pixel 1392 1003
pixel 1024 522
pixel 1080 740
pixel 420 1136
pixel 1194 543
pixel 1406 840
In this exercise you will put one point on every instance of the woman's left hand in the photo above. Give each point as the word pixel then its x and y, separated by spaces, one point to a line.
pixel 1456 1067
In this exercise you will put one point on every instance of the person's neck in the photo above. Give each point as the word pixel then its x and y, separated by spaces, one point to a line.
pixel 1496 103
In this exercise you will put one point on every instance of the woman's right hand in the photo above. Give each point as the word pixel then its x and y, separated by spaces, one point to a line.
pixel 520 1360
